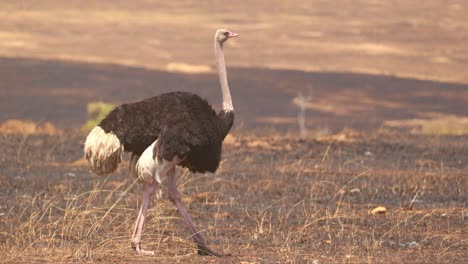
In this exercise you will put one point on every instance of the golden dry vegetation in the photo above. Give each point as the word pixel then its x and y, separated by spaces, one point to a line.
pixel 275 199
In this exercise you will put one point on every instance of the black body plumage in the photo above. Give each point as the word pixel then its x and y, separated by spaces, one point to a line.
pixel 184 124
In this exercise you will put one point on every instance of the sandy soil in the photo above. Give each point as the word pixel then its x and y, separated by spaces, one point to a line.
pixel 411 39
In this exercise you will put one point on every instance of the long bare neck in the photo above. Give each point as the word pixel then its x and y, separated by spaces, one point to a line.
pixel 221 67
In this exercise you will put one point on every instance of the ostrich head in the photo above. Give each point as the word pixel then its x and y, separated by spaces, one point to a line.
pixel 223 34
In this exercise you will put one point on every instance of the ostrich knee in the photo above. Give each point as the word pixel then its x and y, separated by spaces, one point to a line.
pixel 174 195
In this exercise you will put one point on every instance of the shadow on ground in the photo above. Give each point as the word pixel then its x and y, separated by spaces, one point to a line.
pixel 58 91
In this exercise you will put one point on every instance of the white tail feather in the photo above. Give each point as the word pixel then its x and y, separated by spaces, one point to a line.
pixel 103 151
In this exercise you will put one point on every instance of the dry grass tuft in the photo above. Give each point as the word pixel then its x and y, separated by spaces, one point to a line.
pixel 347 135
pixel 440 125
pixel 454 126
pixel 25 127
pixel 97 111
pixel 65 225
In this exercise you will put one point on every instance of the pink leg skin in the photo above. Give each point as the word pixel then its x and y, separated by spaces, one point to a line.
pixel 148 191
pixel 174 197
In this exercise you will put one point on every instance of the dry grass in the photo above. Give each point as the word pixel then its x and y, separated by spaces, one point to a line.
pixel 441 125
pixel 26 127
pixel 445 126
pixel 290 201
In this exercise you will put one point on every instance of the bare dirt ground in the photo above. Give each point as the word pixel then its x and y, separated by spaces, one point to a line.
pixel 387 110
pixel 274 200
pixel 401 38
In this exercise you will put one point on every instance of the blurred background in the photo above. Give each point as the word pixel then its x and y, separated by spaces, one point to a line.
pixel 330 65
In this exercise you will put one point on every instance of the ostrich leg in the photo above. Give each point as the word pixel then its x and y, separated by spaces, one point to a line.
pixel 174 197
pixel 148 191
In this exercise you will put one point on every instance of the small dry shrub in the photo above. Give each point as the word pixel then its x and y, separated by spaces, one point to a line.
pixel 15 126
pixel 96 112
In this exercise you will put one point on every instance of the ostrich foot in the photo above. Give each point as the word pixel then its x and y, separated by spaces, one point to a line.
pixel 141 252
pixel 174 196
pixel 206 251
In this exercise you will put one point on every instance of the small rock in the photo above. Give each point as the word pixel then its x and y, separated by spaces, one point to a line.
pixel 368 153
pixel 379 210
pixel 411 244
pixel 70 174
pixel 2 214
pixel 355 190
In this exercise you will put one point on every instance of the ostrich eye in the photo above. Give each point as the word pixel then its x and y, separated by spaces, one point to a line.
pixel 226 34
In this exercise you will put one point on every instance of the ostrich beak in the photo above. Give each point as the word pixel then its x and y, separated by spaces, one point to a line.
pixel 232 34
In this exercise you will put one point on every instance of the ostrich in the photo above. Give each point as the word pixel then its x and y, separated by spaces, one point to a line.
pixel 162 132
